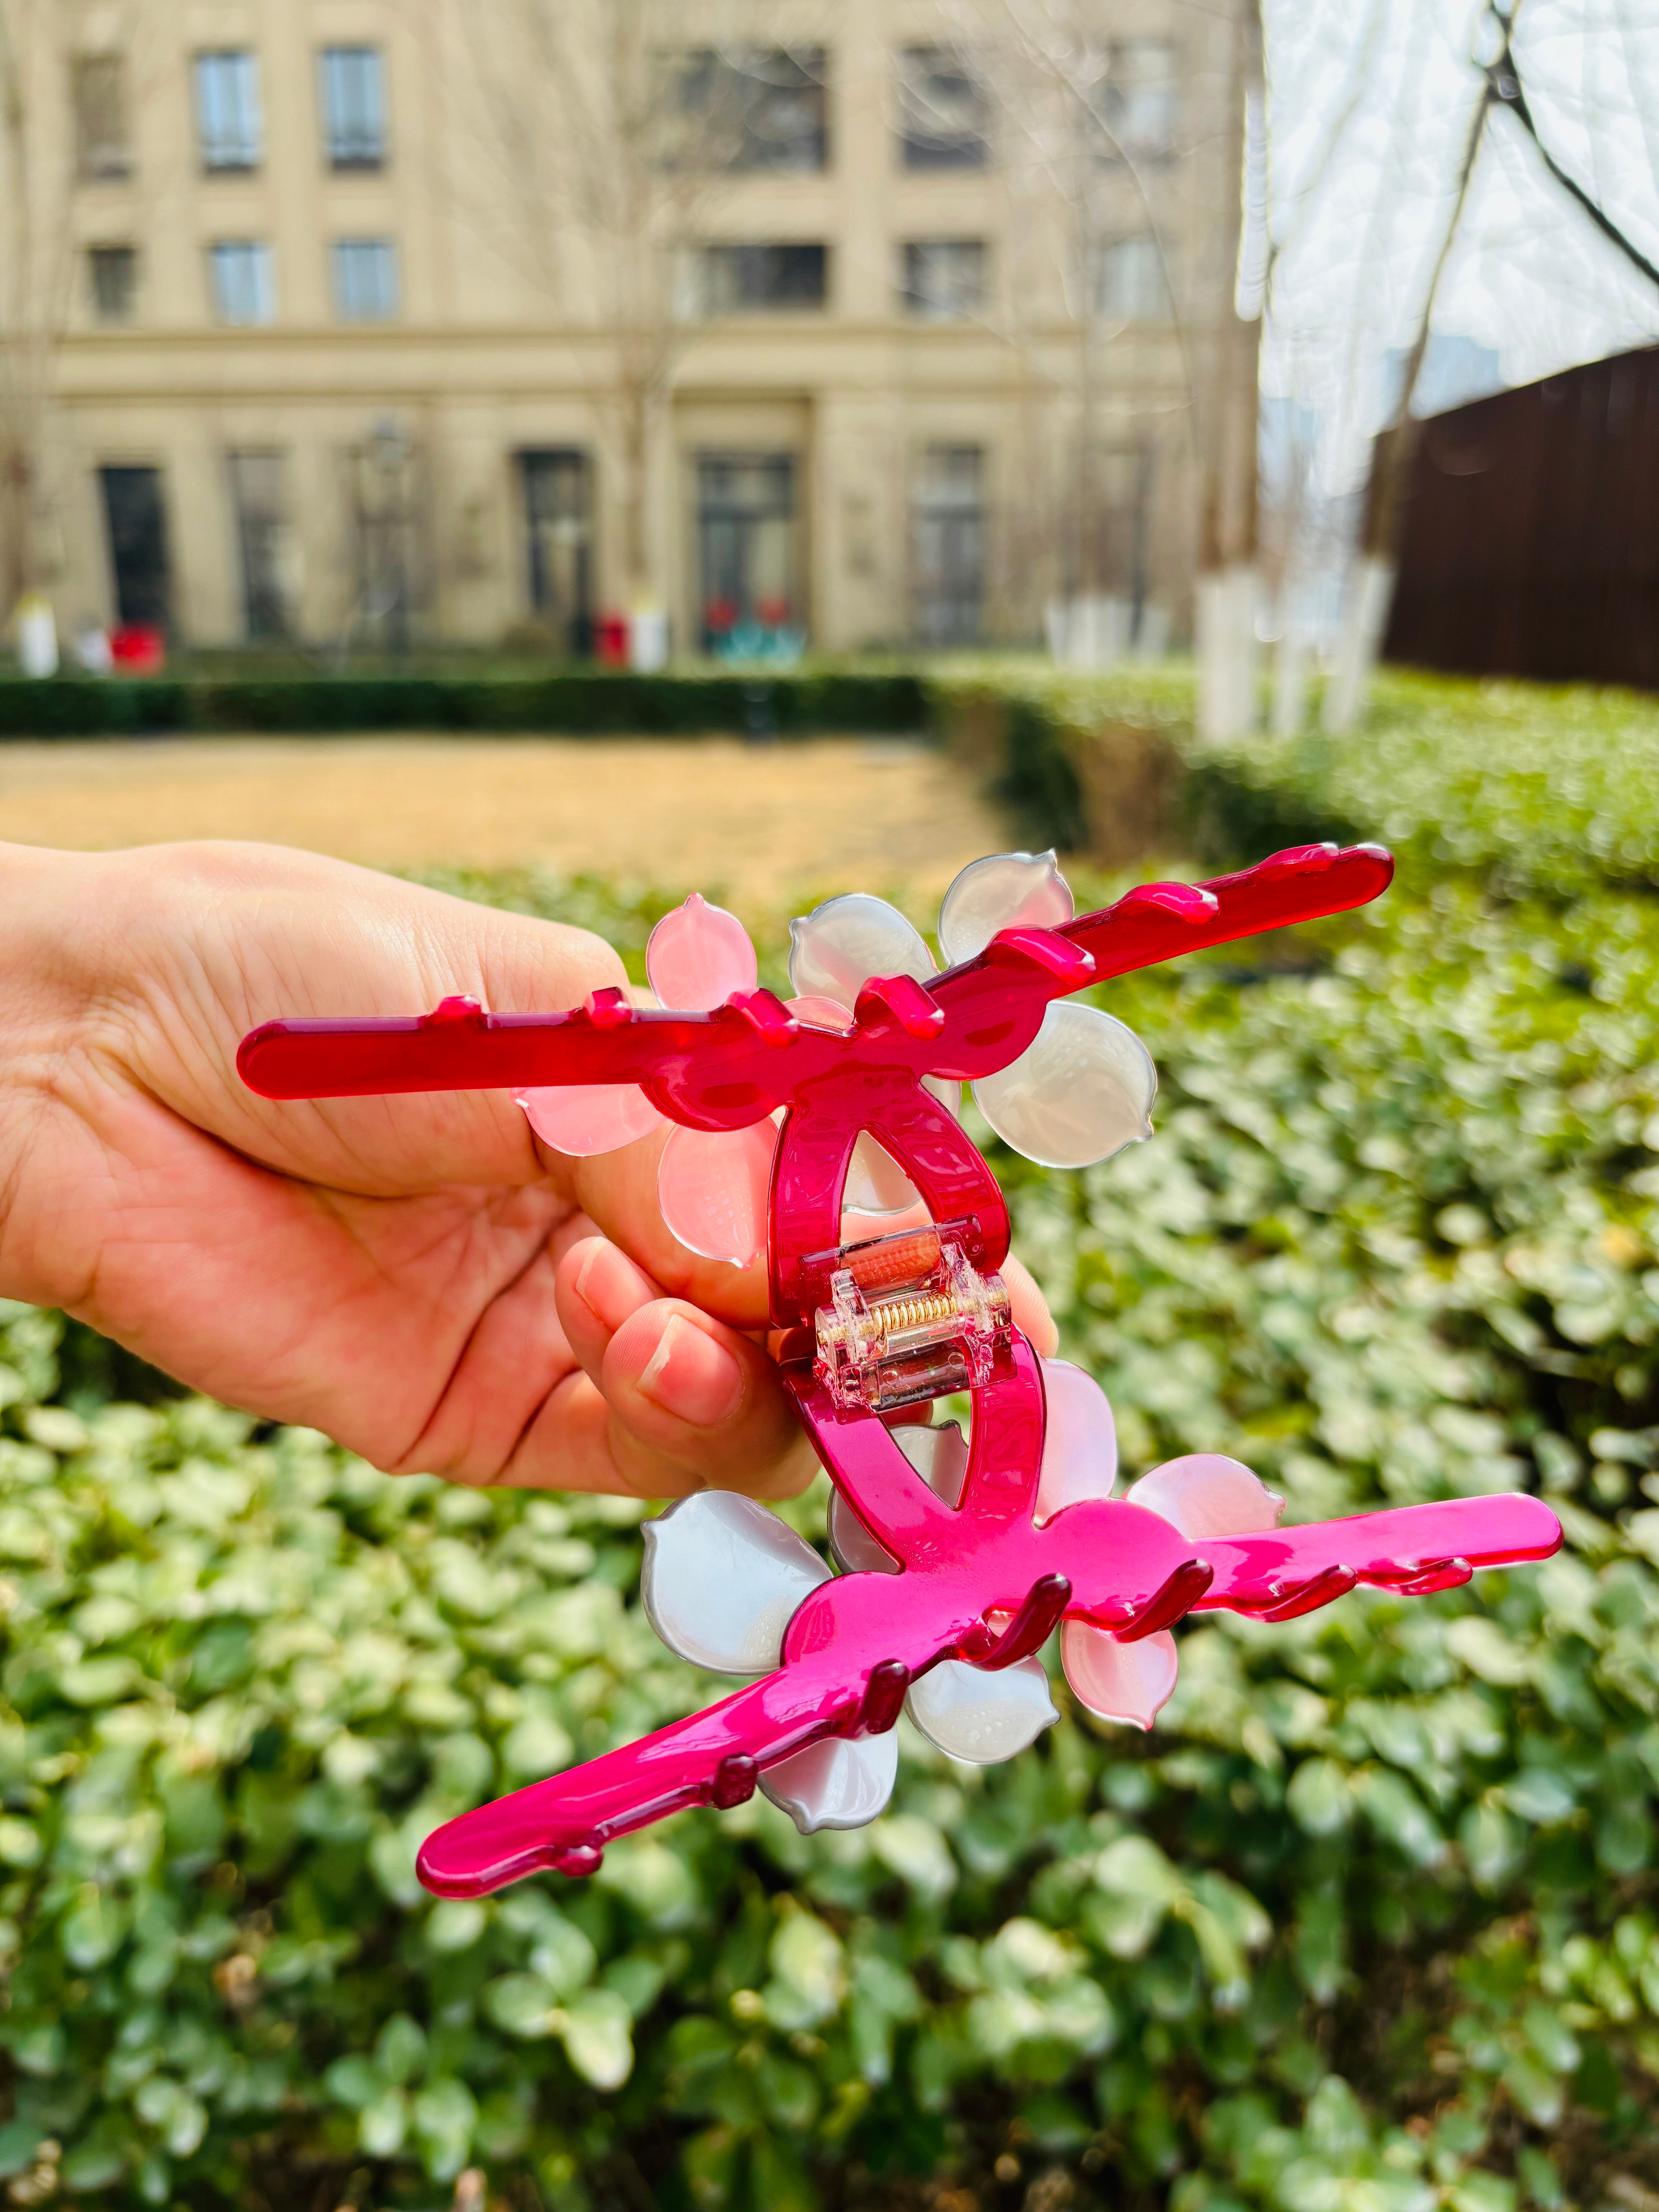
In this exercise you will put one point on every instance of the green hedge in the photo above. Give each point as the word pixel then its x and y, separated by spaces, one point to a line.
pixel 1370 1923
pixel 580 704
pixel 1530 787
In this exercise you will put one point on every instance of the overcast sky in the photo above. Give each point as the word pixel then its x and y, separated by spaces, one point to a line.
pixel 1372 102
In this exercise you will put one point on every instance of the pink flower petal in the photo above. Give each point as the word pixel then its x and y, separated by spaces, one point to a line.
pixel 1079 1443
pixel 997 892
pixel 584 1118
pixel 712 1186
pixel 1206 1494
pixel 698 956
pixel 822 1014
pixel 1127 1682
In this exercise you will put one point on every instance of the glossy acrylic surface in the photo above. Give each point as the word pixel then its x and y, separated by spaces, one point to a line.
pixel 960 1571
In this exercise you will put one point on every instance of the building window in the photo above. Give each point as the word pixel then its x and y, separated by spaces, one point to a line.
pixel 1129 284
pixel 1140 100
pixel 227 119
pixel 758 108
pixel 102 145
pixel 244 285
pixel 354 106
pixel 758 279
pixel 365 280
pixel 114 273
pixel 746 534
pixel 260 512
pixel 947 528
pixel 944 111
pixel 944 278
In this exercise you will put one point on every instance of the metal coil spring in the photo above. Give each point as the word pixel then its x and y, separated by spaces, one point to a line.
pixel 914 1310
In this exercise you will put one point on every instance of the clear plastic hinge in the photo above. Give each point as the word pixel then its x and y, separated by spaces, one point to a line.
pixel 882 1344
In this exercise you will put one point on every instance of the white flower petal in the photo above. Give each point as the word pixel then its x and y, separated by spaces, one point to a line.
pixel 837 949
pixel 697 956
pixel 722 1578
pixel 876 1183
pixel 1079 1441
pixel 1206 1494
pixel 1080 1093
pixel 839 1781
pixel 1127 1682
pixel 939 1455
pixel 994 893
pixel 979 1716
pixel 581 1119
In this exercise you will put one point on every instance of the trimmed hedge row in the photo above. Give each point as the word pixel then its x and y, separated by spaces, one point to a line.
pixel 586 703
pixel 1527 787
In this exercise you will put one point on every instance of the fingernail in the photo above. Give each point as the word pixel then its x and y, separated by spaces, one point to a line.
pixel 609 1285
pixel 691 1376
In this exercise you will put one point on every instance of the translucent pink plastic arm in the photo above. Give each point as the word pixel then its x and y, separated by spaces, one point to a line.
pixel 755 1053
pixel 1281 1572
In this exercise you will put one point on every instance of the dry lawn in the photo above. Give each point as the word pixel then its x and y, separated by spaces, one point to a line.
pixel 761 823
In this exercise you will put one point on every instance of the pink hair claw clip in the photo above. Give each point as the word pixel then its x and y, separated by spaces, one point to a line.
pixel 795 1122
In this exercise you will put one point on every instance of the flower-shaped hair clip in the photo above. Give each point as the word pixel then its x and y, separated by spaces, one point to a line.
pixel 958 1566
pixel 723 1576
pixel 1080 1093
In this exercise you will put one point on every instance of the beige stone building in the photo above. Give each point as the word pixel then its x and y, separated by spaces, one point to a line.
pixel 878 320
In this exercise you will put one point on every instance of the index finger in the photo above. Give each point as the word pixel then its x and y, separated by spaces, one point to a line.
pixel 618 1191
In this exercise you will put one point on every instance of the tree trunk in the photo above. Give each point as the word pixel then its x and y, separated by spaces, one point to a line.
pixel 1370 579
pixel 1225 606
pixel 1370 591
pixel 635 499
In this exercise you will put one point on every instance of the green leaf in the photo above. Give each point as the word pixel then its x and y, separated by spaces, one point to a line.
pixel 598 2037
pixel 1318 1798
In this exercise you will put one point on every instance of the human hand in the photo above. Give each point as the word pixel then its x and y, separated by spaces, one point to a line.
pixel 415 1275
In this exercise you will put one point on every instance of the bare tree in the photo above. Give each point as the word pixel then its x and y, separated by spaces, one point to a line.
pixel 1229 522
pixel 1071 128
pixel 63 115
pixel 1370 579
pixel 1370 585
pixel 36 181
pixel 604 132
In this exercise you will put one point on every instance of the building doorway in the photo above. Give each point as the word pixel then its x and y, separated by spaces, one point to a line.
pixel 259 509
pixel 948 535
pixel 746 544
pixel 558 514
pixel 137 546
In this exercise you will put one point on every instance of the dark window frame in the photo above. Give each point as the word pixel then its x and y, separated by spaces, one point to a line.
pixel 914 298
pixel 768 276
pixel 727 94
pixel 359 143
pixel 261 256
pixel 103 259
pixel 101 156
pixel 948 565
pixel 930 76
pixel 243 156
pixel 383 251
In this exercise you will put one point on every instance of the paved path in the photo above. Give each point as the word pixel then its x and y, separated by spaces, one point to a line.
pixel 765 824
